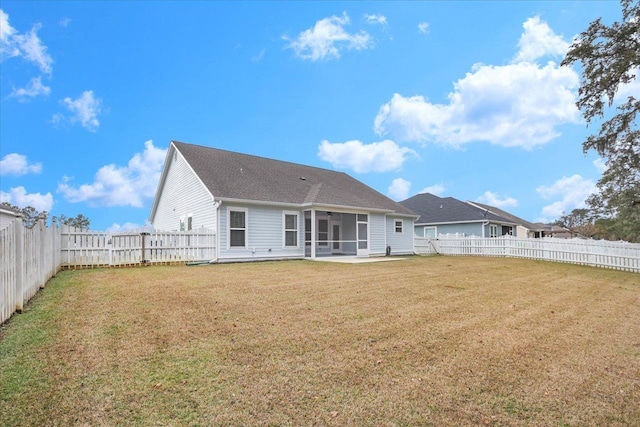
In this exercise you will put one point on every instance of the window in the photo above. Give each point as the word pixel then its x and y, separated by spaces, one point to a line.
pixel 399 226
pixel 323 232
pixel 189 223
pixel 182 223
pixel 431 232
pixel 493 231
pixel 290 229
pixel 237 228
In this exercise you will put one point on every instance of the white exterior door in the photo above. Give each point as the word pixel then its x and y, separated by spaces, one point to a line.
pixel 362 235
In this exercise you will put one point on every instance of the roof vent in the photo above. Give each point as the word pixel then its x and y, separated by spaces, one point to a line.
pixel 303 178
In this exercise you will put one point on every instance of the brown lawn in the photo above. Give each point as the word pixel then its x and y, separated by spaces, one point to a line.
pixel 439 341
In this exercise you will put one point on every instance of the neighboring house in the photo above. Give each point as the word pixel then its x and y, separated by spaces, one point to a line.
pixel 269 209
pixel 7 215
pixel 524 229
pixel 446 215
pixel 547 230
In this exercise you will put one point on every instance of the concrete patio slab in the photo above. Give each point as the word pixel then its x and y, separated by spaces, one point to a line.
pixel 357 260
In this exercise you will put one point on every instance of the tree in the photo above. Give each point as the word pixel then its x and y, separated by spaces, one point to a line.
pixel 580 221
pixel 30 216
pixel 610 58
pixel 79 222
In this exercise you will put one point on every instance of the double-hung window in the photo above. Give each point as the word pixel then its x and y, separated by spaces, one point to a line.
pixel 291 229
pixel 493 230
pixel 399 226
pixel 237 228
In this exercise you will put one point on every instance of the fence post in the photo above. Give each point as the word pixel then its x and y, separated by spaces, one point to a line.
pixel 143 236
pixel 19 239
pixel 42 229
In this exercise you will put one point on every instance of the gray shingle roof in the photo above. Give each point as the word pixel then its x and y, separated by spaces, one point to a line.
pixel 231 175
pixel 507 215
pixel 438 210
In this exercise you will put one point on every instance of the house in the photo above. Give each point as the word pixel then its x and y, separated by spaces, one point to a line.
pixel 262 208
pixel 524 229
pixel 446 215
pixel 8 215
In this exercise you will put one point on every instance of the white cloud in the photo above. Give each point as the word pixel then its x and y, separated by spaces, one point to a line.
pixel 376 19
pixel 113 185
pixel 33 89
pixel 18 196
pixel 127 226
pixel 629 89
pixel 423 27
pixel 259 56
pixel 539 40
pixel 515 105
pixel 436 189
pixel 327 38
pixel 492 199
pixel 600 164
pixel 27 46
pixel 399 189
pixel 17 165
pixel 383 156
pixel 572 191
pixel 84 109
pixel 6 33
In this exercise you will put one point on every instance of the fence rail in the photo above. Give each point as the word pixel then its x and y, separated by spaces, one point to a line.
pixel 597 253
pixel 30 257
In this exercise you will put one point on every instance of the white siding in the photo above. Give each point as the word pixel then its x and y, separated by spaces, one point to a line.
pixel 265 234
pixel 6 219
pixel 377 238
pixel 401 243
pixel 183 194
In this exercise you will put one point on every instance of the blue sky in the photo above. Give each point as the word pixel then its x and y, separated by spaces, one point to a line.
pixel 461 99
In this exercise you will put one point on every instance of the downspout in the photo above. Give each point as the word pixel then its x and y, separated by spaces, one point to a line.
pixel 216 207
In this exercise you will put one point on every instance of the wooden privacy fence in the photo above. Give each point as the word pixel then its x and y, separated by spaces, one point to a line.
pixel 30 257
pixel 597 253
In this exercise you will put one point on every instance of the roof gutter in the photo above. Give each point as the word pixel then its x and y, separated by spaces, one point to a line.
pixel 333 208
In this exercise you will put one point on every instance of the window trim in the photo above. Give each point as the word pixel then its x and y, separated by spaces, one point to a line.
pixel 285 229
pixel 493 230
pixel 399 229
pixel 246 227
pixel 425 232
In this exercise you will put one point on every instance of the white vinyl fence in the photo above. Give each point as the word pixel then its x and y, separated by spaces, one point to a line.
pixel 597 253
pixel 30 257
pixel 82 249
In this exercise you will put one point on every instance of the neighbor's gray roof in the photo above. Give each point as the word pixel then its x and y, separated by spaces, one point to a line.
pixel 438 210
pixel 231 175
pixel 507 215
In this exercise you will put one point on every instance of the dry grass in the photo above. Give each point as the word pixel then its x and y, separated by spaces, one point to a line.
pixel 424 341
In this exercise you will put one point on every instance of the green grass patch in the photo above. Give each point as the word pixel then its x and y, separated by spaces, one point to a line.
pixel 423 341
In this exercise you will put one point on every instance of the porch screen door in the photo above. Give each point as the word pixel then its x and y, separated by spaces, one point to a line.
pixel 363 235
pixel 335 237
